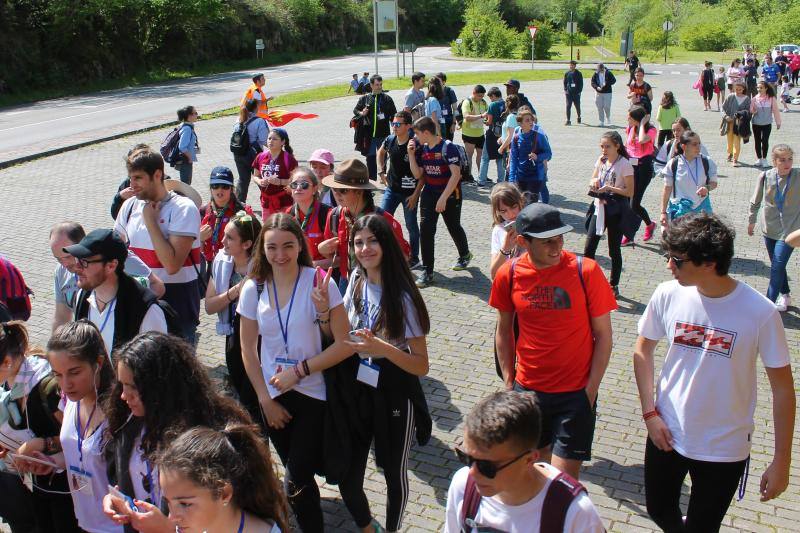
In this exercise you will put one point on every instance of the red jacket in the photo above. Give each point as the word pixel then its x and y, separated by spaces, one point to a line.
pixel 343 232
pixel 209 213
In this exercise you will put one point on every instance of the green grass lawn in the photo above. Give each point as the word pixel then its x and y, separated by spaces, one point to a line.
pixel 675 54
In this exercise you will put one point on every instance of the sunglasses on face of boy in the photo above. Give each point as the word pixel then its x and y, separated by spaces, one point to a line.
pixel 677 260
pixel 398 124
pixel 487 468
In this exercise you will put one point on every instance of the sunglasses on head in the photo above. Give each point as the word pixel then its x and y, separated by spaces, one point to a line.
pixel 220 186
pixel 677 260
pixel 487 468
pixel 302 185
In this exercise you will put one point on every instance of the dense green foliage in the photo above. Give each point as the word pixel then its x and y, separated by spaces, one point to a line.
pixel 54 42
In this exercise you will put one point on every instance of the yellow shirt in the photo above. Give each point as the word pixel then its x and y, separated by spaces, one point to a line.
pixel 473 128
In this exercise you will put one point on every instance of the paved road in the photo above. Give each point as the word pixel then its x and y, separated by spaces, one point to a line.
pixel 42 126
pixel 79 185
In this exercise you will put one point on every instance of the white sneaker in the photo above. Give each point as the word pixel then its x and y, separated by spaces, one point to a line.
pixel 783 302
pixel 602 124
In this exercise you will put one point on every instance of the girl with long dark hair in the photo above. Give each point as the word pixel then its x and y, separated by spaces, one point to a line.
pixel 613 183
pixel 30 425
pixel 389 317
pixel 219 481
pixel 81 365
pixel 286 301
pixel 161 388
pixel 640 145
pixel 271 171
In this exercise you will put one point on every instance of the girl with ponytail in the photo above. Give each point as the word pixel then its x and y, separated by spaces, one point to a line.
pixel 220 481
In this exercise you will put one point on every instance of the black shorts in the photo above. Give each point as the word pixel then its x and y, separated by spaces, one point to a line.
pixel 477 141
pixel 567 422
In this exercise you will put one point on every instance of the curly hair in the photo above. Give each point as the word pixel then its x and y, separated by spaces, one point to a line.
pixel 174 388
pixel 506 416
pixel 237 455
pixel 702 238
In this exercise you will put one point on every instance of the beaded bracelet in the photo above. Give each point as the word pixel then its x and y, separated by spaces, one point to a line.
pixel 650 414
pixel 297 372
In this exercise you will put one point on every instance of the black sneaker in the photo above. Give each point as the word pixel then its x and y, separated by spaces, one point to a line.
pixel 568 123
pixel 424 279
pixel 579 120
pixel 615 289
pixel 487 183
pixel 463 262
pixel 414 264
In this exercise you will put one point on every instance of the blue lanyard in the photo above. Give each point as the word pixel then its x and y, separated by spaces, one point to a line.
pixel 285 329
pixel 110 312
pixel 694 175
pixel 780 195
pixel 366 316
pixel 82 430
pixel 150 488
pixel 608 170
pixel 241 523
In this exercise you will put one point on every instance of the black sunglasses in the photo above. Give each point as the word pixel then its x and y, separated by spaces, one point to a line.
pixel 677 260
pixel 486 468
pixel 303 185
pixel 220 186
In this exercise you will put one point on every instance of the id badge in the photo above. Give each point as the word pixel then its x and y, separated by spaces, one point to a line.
pixel 282 363
pixel 368 373
pixel 572 85
pixel 80 481
pixel 381 116
pixel 634 161
pixel 445 112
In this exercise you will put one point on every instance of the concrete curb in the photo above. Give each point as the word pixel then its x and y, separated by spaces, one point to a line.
pixel 615 64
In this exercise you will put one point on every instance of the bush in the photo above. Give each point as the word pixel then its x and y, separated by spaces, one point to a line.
pixel 578 38
pixel 707 36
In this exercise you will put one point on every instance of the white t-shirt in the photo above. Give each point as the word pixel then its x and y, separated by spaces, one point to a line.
pixel 304 337
pixel 706 392
pixel 153 320
pixel 371 296
pixel 690 176
pixel 582 517
pixel 87 479
pixel 143 475
pixel 615 173
pixel 178 216
pixel 498 238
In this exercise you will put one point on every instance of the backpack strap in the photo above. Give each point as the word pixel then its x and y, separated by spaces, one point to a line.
pixel 563 490
pixel 583 284
pixel 704 160
pixel 324 209
pixel 470 504
pixel 511 277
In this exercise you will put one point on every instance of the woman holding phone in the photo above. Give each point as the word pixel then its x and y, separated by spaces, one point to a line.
pixel 390 323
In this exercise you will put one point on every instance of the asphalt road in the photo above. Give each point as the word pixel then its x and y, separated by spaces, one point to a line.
pixel 41 126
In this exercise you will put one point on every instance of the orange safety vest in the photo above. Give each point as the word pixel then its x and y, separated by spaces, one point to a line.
pixel 262 103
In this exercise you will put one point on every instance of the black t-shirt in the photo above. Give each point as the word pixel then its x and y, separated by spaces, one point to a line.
pixel 633 63
pixel 401 180
pixel 750 75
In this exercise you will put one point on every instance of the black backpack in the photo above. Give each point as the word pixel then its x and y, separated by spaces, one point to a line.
pixel 240 138
pixel 169 146
pixel 458 115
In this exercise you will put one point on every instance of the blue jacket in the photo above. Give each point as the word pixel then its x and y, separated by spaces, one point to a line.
pixel 521 168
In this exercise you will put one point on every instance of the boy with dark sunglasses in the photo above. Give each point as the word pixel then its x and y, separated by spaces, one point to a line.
pixel 503 487
pixel 699 419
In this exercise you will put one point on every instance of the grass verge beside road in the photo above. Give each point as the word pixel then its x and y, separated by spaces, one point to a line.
pixel 329 92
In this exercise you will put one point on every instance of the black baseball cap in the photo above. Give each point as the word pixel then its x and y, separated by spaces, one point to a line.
pixel 541 221
pixel 513 83
pixel 221 176
pixel 104 242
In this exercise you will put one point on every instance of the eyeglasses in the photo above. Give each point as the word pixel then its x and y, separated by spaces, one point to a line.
pixel 486 468
pixel 302 185
pixel 84 263
pixel 677 260
pixel 220 186
pixel 398 124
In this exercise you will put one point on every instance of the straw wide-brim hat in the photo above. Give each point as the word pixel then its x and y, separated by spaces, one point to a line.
pixel 179 187
pixel 350 174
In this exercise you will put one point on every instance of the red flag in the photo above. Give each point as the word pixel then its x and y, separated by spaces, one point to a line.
pixel 279 117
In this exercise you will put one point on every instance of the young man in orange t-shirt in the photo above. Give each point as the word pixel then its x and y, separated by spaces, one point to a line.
pixel 564 341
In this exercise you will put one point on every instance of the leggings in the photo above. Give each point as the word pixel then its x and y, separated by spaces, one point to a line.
pixel 713 486
pixel 244 167
pixel 795 74
pixel 642 174
pixel 400 416
pixel 614 232
pixel 299 446
pixel 708 92
pixel 761 138
pixel 664 136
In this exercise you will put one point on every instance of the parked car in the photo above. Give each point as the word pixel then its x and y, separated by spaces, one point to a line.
pixel 786 49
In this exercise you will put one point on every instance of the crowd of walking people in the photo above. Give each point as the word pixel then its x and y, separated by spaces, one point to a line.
pixel 115 425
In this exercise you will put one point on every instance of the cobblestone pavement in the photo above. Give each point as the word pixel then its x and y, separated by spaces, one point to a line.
pixel 79 185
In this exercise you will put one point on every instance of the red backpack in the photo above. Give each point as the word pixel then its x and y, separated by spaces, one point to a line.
pixel 14 294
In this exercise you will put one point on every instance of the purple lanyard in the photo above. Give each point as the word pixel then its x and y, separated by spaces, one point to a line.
pixel 82 430
pixel 694 175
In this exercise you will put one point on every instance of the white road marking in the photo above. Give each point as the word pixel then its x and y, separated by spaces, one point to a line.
pixel 675 72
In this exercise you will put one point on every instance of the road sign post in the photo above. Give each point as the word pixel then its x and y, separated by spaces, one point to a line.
pixel 533 30
pixel 667 27
pixel 259 48
pixel 572 27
